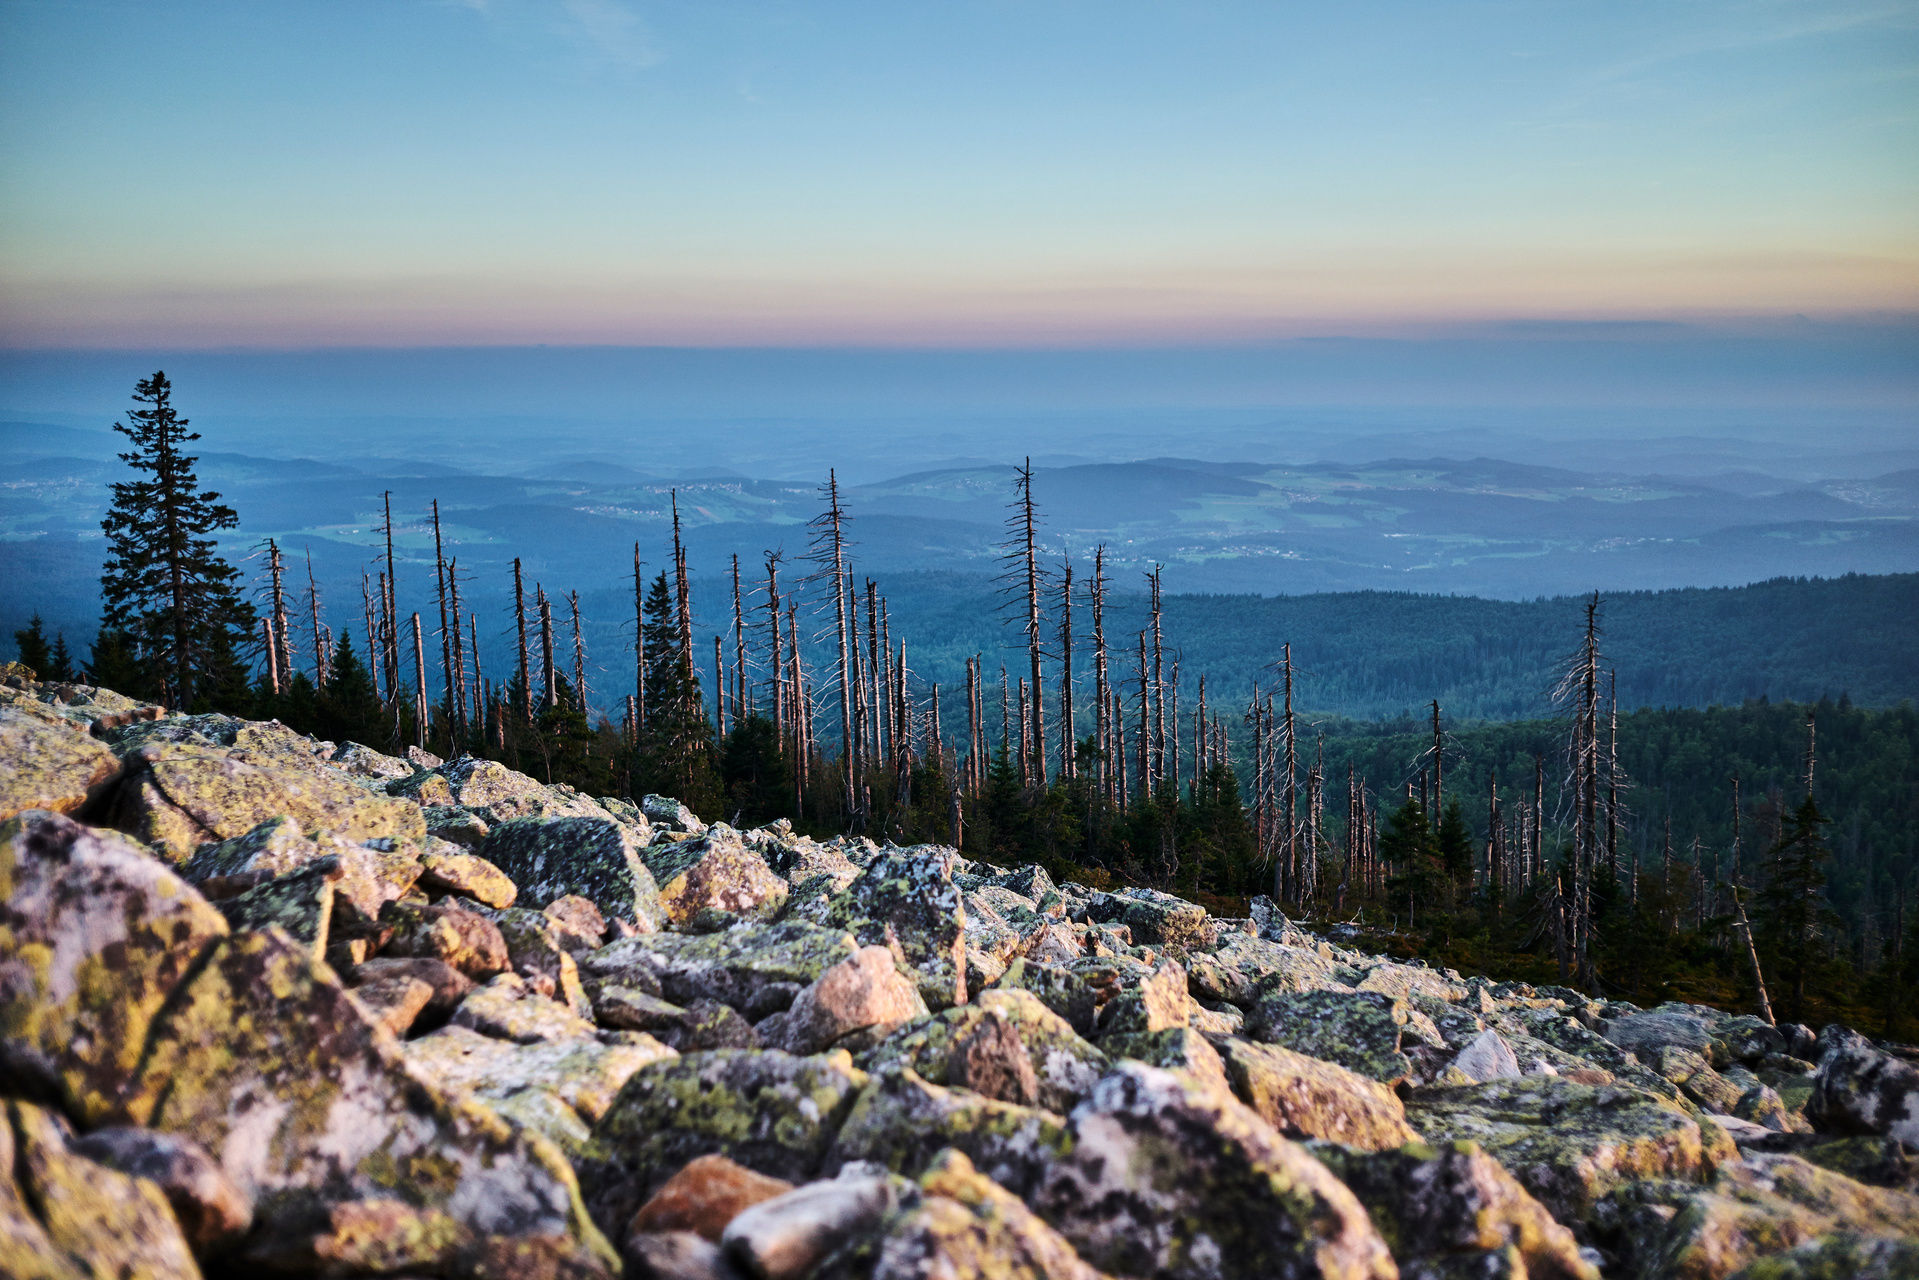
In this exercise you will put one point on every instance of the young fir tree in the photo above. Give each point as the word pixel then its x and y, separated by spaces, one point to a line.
pixel 676 747
pixel 1455 847
pixel 347 708
pixel 31 641
pixel 164 582
pixel 1410 849
pixel 1793 912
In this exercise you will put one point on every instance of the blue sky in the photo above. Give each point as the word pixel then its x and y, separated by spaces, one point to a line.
pixel 410 172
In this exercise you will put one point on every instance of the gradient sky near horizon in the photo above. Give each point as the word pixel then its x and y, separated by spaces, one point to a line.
pixel 434 172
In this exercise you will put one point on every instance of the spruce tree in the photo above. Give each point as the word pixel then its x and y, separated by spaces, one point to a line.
pixel 31 640
pixel 1793 911
pixel 165 584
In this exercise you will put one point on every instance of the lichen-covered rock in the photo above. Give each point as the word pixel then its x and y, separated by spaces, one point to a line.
pixel 708 1024
pixel 1571 1143
pixel 364 762
pixel 507 1009
pixel 910 894
pixel 582 927
pixel 1070 994
pixel 1453 1210
pixel 713 872
pixel 1487 1057
pixel 1180 1049
pixel 1158 1002
pixel 1839 1258
pixel 771 1111
pixel 394 1002
pixel 299 903
pixel 56 767
pixel 1874 1160
pixel 964 1226
pixel 491 790
pixel 448 985
pixel 1306 1097
pixel 95 935
pixel 1361 1031
pixel 1861 1090
pixel 211 1211
pixel 177 798
pixel 1167 1178
pixel 1754 1208
pixel 596 858
pixel 901 1121
pixel 864 991
pixel 1645 1033
pixel 469 942
pixel 536 951
pixel 584 1074
pixel 467 875
pixel 731 966
pixel 1155 918
pixel 952 1048
pixel 63 1215
pixel 265 1059
pixel 1243 968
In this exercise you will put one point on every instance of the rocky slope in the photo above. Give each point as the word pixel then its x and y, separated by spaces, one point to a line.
pixel 279 1006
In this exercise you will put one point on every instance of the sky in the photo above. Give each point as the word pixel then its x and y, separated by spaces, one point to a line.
pixel 970 173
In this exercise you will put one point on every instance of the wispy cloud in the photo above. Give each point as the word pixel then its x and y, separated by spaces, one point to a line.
pixel 613 31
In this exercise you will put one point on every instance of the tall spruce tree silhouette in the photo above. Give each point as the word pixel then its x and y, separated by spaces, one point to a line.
pixel 165 585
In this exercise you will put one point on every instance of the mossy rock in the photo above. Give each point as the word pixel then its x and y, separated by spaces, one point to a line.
pixel 1569 1143
pixel 1072 995
pixel 1453 1210
pixel 1840 1258
pixel 912 894
pixel 964 1224
pixel 1305 1097
pixel 732 966
pixel 1242 968
pixel 1169 1178
pixel 177 798
pixel 524 1082
pixel 1065 1066
pixel 265 1059
pixel 1360 1031
pixel 597 858
pixel 901 1120
pixel 95 935
pixel 770 1111
pixel 49 766
pixel 1755 1207
pixel 62 1215
pixel 714 872
pixel 299 904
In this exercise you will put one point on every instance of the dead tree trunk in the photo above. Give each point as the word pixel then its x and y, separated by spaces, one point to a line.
pixel 1024 550
pixel 739 646
pixel 1068 742
pixel 282 637
pixel 419 683
pixel 525 709
pixel 549 694
pixel 446 640
pixel 320 645
pixel 579 653
pixel 457 695
pixel 1102 727
pixel 780 717
pixel 1159 682
pixel 390 653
